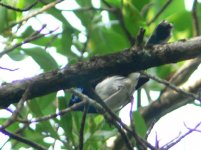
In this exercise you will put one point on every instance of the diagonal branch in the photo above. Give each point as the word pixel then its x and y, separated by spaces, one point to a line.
pixel 169 102
pixel 23 140
pixel 124 62
pixel 160 12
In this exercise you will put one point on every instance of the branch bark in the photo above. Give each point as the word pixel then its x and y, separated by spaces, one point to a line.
pixel 169 101
pixel 127 61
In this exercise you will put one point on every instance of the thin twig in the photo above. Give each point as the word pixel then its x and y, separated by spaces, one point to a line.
pixel 195 18
pixel 46 7
pixel 84 99
pixel 3 68
pixel 29 39
pixel 19 106
pixel 140 37
pixel 18 9
pixel 116 121
pixel 81 138
pixel 195 96
pixel 169 145
pixel 38 31
pixel 131 114
pixel 23 140
pixel 194 129
pixel 110 118
pixel 118 13
pixel 60 113
pixel 150 128
pixel 89 9
pixel 48 44
pixel 13 118
pixel 159 12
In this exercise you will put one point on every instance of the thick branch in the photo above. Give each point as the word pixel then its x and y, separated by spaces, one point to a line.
pixel 130 60
pixel 169 101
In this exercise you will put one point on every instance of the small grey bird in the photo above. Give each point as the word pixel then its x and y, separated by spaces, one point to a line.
pixel 115 91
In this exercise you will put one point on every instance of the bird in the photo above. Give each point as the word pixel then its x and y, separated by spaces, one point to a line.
pixel 115 91
pixel 161 34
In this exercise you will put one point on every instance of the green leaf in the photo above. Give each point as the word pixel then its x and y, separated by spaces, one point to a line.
pixel 66 42
pixel 83 3
pixel 140 4
pixel 87 17
pixel 39 109
pixel 106 40
pixel 3 19
pixel 132 18
pixel 103 134
pixel 43 104
pixel 58 15
pixel 139 123
pixel 28 31
pixel 17 55
pixel 55 42
pixel 116 3
pixel 174 8
pixel 182 26
pixel 42 58
pixel 165 70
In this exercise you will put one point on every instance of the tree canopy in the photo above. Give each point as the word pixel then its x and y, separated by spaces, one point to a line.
pixel 80 42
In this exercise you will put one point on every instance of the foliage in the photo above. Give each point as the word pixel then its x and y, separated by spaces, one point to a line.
pixel 98 30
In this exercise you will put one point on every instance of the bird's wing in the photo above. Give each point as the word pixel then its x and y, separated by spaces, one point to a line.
pixel 109 86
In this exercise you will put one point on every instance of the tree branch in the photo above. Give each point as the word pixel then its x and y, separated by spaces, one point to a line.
pixel 122 63
pixel 23 140
pixel 169 101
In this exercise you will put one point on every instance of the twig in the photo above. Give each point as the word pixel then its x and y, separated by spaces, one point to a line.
pixel 38 31
pixel 3 68
pixel 140 37
pixel 23 140
pixel 81 139
pixel 60 113
pixel 185 71
pixel 46 7
pixel 110 118
pixel 131 114
pixel 195 96
pixel 138 144
pixel 159 12
pixel 168 146
pixel 18 9
pixel 195 18
pixel 118 13
pixel 156 141
pixel 150 128
pixel 89 9
pixel 13 118
pixel 32 38
pixel 116 121
pixel 194 129
pixel 48 44
pixel 19 106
